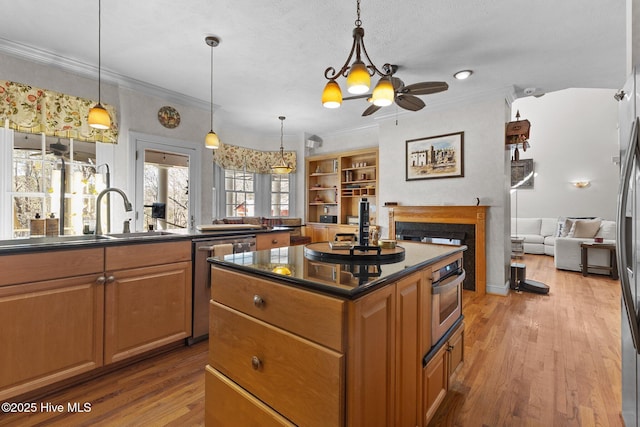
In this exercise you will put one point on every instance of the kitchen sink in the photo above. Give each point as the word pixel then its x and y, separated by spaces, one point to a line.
pixel 138 234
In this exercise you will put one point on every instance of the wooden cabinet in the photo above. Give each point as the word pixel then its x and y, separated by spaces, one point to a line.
pixel 51 323
pixel 321 360
pixel 147 297
pixel 335 184
pixel 439 371
pixel 274 239
pixel 327 232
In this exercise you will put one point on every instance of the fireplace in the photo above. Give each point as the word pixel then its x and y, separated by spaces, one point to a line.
pixel 447 225
pixel 444 234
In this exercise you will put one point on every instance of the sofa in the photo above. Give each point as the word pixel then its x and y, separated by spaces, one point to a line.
pixel 561 238
pixel 294 225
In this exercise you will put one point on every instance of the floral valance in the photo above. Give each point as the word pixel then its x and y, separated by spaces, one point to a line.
pixel 34 110
pixel 241 158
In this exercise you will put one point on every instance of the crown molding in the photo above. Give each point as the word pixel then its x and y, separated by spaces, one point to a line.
pixel 49 59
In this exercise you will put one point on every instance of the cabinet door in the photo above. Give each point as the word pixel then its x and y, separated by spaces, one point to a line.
pixel 456 350
pixel 408 359
pixel 371 362
pixel 319 233
pixel 434 383
pixel 49 331
pixel 146 308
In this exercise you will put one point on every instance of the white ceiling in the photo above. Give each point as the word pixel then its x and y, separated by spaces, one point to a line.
pixel 273 54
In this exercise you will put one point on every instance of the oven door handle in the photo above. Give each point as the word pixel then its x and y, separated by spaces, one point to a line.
pixel 448 283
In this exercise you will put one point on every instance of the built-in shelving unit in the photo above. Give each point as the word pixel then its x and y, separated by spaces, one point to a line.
pixel 335 185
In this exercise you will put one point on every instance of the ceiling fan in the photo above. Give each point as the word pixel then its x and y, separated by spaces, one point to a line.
pixel 405 96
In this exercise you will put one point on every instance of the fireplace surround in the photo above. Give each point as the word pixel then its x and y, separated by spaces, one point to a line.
pixel 469 215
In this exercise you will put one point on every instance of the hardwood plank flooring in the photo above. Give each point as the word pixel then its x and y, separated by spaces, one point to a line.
pixel 540 360
pixel 530 360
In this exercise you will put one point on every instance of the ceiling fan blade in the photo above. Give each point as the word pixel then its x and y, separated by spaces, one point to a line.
pixel 364 95
pixel 370 110
pixel 425 88
pixel 410 102
pixel 398 84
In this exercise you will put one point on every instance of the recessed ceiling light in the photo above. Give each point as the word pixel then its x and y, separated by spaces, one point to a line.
pixel 461 75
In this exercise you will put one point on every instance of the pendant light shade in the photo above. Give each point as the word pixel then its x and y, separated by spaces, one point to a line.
pixel 332 95
pixel 358 79
pixel 98 116
pixel 212 141
pixel 384 93
pixel 282 167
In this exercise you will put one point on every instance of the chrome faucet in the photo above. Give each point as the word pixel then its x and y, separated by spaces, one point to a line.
pixel 127 206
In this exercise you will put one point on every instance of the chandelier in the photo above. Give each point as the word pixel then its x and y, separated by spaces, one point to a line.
pixel 358 74
pixel 282 167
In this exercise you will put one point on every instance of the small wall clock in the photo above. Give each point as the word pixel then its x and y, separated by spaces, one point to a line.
pixel 169 117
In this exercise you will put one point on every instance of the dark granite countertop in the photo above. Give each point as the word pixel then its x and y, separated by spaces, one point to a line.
pixel 42 244
pixel 349 279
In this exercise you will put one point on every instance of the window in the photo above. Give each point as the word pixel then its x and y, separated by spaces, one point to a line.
pixel 240 199
pixel 52 176
pixel 253 194
pixel 279 195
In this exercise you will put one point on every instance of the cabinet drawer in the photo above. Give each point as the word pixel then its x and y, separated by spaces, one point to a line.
pixel 313 316
pixel 142 255
pixel 226 404
pixel 38 266
pixel 304 380
pixel 272 240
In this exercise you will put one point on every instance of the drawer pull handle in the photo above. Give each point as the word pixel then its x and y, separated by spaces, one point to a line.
pixel 101 280
pixel 258 301
pixel 274 241
pixel 256 363
pixel 111 279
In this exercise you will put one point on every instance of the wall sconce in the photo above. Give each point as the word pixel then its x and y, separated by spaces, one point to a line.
pixel 581 184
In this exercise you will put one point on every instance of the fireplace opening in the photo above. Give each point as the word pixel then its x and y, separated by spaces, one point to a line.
pixel 444 234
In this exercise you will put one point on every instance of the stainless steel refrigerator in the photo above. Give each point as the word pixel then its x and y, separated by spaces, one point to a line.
pixel 628 246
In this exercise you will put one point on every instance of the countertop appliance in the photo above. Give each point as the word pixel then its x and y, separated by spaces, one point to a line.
pixel 628 247
pixel 203 248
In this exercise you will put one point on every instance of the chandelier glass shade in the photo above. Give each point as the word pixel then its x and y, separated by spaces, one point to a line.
pixel 99 117
pixel 384 93
pixel 212 141
pixel 281 167
pixel 358 73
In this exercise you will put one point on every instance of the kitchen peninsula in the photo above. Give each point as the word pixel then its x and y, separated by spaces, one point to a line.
pixel 301 339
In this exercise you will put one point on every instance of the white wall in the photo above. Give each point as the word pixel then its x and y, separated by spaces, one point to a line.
pixel 574 135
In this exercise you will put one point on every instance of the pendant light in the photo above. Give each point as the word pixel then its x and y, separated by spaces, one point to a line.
pixel 98 115
pixel 282 167
pixel 211 140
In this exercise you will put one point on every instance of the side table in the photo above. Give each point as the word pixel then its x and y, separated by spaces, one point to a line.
pixel 613 264
pixel 517 247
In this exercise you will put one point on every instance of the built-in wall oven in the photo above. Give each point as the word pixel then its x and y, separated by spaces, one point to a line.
pixel 203 248
pixel 446 298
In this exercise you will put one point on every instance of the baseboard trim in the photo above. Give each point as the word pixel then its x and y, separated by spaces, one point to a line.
pixel 498 290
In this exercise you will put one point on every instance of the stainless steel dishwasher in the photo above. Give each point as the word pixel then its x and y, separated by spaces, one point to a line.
pixel 203 248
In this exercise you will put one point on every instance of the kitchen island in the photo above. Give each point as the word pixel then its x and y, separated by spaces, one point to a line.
pixel 297 339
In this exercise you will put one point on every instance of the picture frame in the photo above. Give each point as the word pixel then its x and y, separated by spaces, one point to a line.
pixel 433 157
pixel 522 174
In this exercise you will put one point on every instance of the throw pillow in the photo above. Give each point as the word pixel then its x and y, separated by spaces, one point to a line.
pixel 585 228
pixel 566 229
pixel 560 227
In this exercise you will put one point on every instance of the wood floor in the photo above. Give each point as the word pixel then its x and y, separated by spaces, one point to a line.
pixel 530 360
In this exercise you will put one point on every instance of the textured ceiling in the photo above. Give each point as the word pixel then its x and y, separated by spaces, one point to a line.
pixel 273 54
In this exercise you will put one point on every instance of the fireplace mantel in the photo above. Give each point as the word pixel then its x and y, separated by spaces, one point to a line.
pixel 475 215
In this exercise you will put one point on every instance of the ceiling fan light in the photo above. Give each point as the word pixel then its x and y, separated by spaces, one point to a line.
pixel 332 95
pixel 99 117
pixel 212 141
pixel 383 94
pixel 358 79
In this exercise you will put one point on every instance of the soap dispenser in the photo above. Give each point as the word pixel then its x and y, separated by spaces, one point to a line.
pixel 126 226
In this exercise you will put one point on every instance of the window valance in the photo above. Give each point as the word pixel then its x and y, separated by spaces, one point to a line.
pixel 34 110
pixel 256 161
